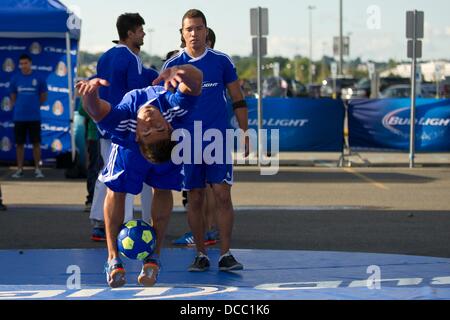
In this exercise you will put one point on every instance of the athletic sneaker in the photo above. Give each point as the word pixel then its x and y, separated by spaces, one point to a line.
pixel 115 273
pixel 3 207
pixel 18 174
pixel 150 271
pixel 98 234
pixel 228 263
pixel 187 239
pixel 200 264
pixel 212 237
pixel 38 174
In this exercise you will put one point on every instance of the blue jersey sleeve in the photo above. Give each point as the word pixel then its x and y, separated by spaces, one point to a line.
pixel 133 76
pixel 230 73
pixel 179 99
pixel 148 75
pixel 120 121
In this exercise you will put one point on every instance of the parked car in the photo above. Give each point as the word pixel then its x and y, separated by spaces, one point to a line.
pixel 363 89
pixel 396 91
pixel 275 87
pixel 342 86
pixel 296 89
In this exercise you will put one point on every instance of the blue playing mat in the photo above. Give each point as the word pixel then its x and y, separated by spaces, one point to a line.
pixel 268 275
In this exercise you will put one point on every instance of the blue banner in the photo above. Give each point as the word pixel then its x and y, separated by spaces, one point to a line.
pixel 49 60
pixel 304 124
pixel 385 124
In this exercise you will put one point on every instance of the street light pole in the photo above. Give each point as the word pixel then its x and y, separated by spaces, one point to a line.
pixel 150 31
pixel 341 38
pixel 310 8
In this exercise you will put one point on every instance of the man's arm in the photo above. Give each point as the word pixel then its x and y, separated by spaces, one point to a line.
pixel 240 109
pixel 43 97
pixel 96 108
pixel 188 78
pixel 12 99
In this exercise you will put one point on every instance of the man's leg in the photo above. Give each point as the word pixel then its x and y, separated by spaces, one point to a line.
pixel 225 213
pixel 37 154
pixel 226 220
pixel 113 214
pixel 196 197
pixel 20 154
pixel 162 206
pixel 161 209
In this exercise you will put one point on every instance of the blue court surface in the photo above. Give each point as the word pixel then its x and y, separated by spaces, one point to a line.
pixel 268 275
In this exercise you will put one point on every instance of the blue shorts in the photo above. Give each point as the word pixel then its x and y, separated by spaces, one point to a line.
pixel 196 176
pixel 207 167
pixel 127 170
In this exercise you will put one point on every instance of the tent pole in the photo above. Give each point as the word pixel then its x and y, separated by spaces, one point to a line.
pixel 70 87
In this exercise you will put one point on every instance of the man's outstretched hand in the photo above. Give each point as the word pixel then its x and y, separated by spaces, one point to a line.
pixel 88 87
pixel 171 77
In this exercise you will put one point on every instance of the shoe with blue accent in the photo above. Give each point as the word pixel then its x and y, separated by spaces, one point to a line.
pixel 115 273
pixel 211 237
pixel 98 235
pixel 150 271
pixel 186 240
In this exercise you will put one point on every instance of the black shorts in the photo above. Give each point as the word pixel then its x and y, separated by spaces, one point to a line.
pixel 30 128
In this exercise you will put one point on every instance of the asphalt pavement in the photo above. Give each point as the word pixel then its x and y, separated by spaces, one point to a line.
pixel 374 209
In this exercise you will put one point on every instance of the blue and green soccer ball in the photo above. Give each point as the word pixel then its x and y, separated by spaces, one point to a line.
pixel 136 240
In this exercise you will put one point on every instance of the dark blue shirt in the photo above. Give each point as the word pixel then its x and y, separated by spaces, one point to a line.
pixel 28 89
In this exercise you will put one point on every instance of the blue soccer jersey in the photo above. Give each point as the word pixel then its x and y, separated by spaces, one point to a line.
pixel 218 71
pixel 121 121
pixel 124 71
pixel 28 89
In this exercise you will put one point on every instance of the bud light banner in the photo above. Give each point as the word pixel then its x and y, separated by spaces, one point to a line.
pixel 303 124
pixel 50 61
pixel 385 124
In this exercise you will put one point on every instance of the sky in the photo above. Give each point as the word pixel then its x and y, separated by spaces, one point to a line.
pixel 376 27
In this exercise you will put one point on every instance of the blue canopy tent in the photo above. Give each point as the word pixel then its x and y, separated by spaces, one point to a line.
pixel 49 33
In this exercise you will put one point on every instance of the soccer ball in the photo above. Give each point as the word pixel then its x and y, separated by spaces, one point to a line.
pixel 136 240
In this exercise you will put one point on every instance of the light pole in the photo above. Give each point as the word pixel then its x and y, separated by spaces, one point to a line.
pixel 310 8
pixel 150 31
pixel 341 38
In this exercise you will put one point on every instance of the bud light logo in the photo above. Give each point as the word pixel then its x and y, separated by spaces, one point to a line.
pixel 58 108
pixel 35 48
pixel 399 121
pixel 8 65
